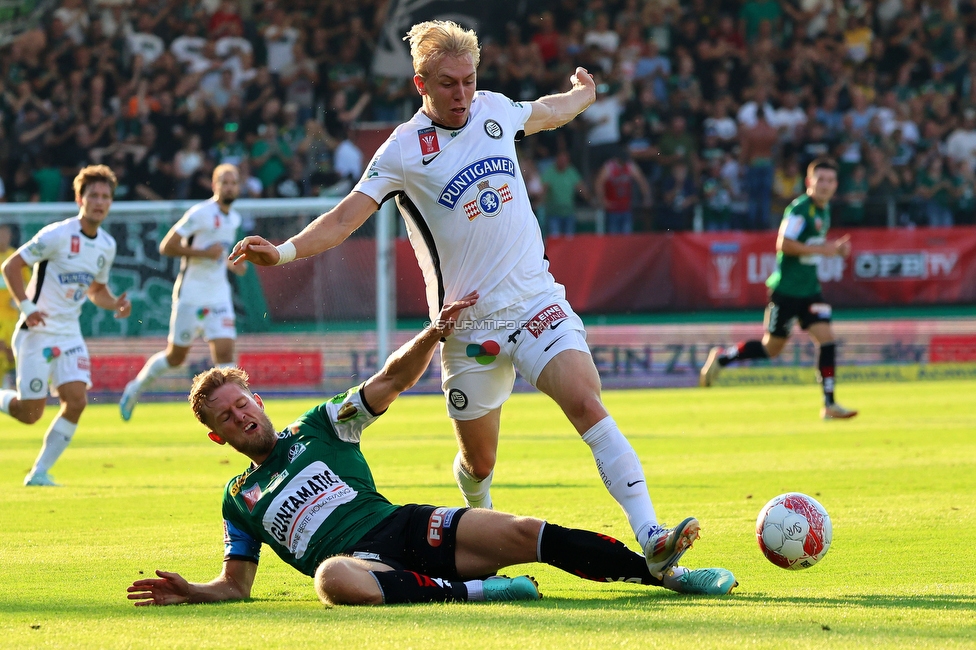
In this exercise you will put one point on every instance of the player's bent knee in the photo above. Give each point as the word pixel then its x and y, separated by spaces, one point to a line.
pixel 346 581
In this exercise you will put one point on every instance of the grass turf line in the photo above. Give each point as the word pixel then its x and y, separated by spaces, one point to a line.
pixel 896 480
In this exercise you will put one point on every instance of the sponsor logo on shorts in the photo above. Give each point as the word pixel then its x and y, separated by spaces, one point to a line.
pixel 73 351
pixel 483 353
pixel 202 313
pixel 36 385
pixel 458 399
pixel 228 322
pixel 821 310
pixel 544 319
pixel 493 129
pixel 439 520
pixel 251 497
pixel 185 336
pixel 295 451
pixel 50 354
pixel 84 364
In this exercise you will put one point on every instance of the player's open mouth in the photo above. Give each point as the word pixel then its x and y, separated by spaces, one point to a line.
pixel 250 427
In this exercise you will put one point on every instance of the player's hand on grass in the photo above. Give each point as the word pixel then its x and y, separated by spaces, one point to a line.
pixel 256 250
pixel 168 589
pixel 447 318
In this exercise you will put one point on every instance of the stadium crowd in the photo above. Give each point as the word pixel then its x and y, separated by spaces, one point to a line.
pixel 707 110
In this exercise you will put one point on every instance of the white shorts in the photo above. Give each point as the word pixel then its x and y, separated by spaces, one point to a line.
pixel 188 322
pixel 478 361
pixel 44 359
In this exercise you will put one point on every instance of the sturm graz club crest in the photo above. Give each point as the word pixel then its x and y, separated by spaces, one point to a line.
pixel 493 129
pixel 458 399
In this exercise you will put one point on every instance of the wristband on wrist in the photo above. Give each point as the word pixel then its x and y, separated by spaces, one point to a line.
pixel 27 307
pixel 286 253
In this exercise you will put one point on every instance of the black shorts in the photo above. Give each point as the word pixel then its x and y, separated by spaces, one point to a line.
pixel 414 538
pixel 782 311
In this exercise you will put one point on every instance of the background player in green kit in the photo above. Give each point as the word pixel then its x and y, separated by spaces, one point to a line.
pixel 795 288
pixel 309 495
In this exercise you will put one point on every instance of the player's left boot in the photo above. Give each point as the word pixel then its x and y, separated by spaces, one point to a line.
pixel 665 546
pixel 711 368
pixel 701 582
pixel 40 479
pixel 836 412
pixel 503 588
pixel 129 398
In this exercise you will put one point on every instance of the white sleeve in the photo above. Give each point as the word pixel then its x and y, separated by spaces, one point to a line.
pixel 42 246
pixel 792 227
pixel 384 176
pixel 350 414
pixel 516 113
pixel 188 224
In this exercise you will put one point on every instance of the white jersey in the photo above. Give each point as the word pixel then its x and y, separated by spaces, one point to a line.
pixel 203 281
pixel 66 261
pixel 464 201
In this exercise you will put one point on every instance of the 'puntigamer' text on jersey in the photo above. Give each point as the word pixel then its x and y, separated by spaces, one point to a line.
pixel 804 222
pixel 66 261
pixel 462 196
pixel 314 496
pixel 203 281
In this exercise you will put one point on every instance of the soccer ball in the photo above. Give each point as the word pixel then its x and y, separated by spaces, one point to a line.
pixel 793 531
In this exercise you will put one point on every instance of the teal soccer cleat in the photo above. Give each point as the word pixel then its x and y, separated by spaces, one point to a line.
pixel 701 582
pixel 503 589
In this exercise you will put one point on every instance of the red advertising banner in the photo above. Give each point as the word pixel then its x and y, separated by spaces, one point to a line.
pixel 616 274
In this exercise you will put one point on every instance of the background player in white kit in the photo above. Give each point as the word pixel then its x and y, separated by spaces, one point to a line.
pixel 202 301
pixel 455 177
pixel 71 261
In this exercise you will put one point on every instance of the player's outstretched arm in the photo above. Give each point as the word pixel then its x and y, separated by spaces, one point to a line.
pixel 552 111
pixel 327 231
pixel 233 583
pixel 407 365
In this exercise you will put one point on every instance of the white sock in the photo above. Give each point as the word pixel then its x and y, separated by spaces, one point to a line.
pixel 476 592
pixel 155 366
pixel 6 396
pixel 56 440
pixel 621 472
pixel 475 492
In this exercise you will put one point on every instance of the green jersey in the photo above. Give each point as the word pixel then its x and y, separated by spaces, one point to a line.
pixel 314 496
pixel 804 222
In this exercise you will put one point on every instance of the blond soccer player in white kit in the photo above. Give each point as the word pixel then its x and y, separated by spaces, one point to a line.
pixel 453 172
pixel 203 304
pixel 71 261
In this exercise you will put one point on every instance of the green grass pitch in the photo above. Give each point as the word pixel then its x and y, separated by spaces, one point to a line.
pixel 898 482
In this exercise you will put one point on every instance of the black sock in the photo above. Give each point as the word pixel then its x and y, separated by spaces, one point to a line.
pixel 743 350
pixel 592 556
pixel 825 370
pixel 412 587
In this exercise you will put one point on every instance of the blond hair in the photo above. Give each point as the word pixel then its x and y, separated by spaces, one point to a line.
pixel 207 382
pixel 221 168
pixel 434 39
pixel 94 174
